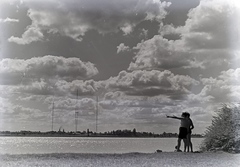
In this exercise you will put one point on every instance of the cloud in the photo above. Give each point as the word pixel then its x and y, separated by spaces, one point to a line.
pixel 32 34
pixel 137 83
pixel 25 113
pixel 127 28
pixel 210 31
pixel 10 110
pixel 201 32
pixel 162 53
pixel 70 104
pixel 30 98
pixel 225 88
pixel 200 99
pixel 144 33
pixel 9 20
pixel 74 19
pixel 5 105
pixel 53 87
pixel 48 75
pixel 84 88
pixel 122 48
pixel 151 83
pixel 14 71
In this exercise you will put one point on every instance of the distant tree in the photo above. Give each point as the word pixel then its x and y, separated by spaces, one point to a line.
pixel 223 133
pixel 134 132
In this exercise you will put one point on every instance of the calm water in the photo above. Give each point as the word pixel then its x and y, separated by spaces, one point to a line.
pixel 41 145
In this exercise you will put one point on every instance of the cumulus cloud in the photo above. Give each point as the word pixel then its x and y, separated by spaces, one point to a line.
pixel 30 98
pixel 15 70
pixel 74 19
pixel 210 31
pixel 8 20
pixel 32 34
pixel 122 48
pixel 151 83
pixel 54 87
pixel 225 88
pixel 88 87
pixel 72 104
pixel 159 52
pixel 144 33
pixel 5 105
pixel 201 32
pixel 48 75
pixel 127 29
pixel 9 109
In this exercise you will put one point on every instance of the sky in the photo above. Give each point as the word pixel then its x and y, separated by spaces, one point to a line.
pixel 133 61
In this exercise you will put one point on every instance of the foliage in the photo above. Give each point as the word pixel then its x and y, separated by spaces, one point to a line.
pixel 223 134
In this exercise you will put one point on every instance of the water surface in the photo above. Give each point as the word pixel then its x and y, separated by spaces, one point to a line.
pixel 43 145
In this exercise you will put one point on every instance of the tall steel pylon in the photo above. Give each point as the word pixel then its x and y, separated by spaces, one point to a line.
pixel 76 114
pixel 76 121
pixel 97 116
pixel 52 113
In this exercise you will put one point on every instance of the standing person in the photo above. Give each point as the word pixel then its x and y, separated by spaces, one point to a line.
pixel 183 130
pixel 191 126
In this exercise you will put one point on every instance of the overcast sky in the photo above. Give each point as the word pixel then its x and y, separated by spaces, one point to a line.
pixel 144 59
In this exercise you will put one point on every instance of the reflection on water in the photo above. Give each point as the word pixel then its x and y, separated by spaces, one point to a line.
pixel 41 145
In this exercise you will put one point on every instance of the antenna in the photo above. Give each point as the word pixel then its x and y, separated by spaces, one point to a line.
pixel 76 114
pixel 52 113
pixel 97 116
pixel 76 121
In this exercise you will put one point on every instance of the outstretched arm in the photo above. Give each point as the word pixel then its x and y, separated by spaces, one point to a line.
pixel 174 117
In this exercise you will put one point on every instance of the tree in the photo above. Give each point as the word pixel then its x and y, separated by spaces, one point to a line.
pixel 223 133
pixel 134 132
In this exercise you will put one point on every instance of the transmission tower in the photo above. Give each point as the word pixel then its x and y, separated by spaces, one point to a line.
pixel 76 114
pixel 52 113
pixel 97 116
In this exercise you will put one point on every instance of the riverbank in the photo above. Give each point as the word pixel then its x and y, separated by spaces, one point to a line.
pixel 170 159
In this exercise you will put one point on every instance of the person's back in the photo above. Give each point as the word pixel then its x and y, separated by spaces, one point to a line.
pixel 185 122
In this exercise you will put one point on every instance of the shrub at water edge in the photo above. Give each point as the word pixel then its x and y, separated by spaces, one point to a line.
pixel 223 134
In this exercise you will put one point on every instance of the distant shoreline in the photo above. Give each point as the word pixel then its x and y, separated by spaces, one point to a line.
pixel 54 135
pixel 115 133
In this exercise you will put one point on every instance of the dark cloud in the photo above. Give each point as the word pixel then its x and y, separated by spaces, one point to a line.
pixel 74 19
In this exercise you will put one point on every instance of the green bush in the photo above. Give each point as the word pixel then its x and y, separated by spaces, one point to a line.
pixel 223 133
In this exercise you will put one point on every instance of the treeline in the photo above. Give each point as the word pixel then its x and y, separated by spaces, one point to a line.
pixel 134 133
pixel 88 133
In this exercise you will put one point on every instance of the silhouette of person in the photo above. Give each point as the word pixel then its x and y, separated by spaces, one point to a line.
pixel 191 126
pixel 183 131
